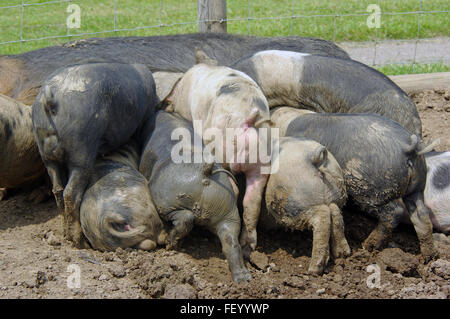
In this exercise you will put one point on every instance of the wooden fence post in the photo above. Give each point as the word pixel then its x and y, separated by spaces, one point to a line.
pixel 216 12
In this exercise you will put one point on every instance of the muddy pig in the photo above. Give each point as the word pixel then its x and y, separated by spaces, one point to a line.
pixel 20 162
pixel 329 85
pixel 117 210
pixel 437 189
pixel 383 167
pixel 188 193
pixel 22 75
pixel 222 98
pixel 82 111
pixel 308 191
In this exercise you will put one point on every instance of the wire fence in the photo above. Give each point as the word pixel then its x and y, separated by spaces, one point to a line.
pixel 30 24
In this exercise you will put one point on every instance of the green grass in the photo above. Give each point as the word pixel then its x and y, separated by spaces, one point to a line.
pixel 49 20
pixel 398 69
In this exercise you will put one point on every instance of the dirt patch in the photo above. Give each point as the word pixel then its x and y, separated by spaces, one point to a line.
pixel 35 262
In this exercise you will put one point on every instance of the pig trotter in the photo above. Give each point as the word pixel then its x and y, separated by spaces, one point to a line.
pixel 228 233
pixel 248 241
pixel 73 194
pixel 183 222
pixel 389 217
pixel 339 245
pixel 321 225
pixel 420 218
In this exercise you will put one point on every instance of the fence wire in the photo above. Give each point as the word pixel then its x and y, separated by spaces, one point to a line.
pixel 160 25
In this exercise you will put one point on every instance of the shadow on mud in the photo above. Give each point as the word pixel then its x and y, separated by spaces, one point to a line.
pixel 17 211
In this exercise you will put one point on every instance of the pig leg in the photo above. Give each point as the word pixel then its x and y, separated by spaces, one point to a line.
pixel 320 221
pixel 255 183
pixel 420 218
pixel 73 194
pixel 3 193
pixel 183 222
pixel 389 217
pixel 58 181
pixel 339 245
pixel 228 233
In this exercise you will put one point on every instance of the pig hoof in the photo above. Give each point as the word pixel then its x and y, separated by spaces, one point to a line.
pixel 3 192
pixel 242 276
pixel 315 269
pixel 429 254
pixel 80 243
pixel 371 244
pixel 342 251
pixel 147 244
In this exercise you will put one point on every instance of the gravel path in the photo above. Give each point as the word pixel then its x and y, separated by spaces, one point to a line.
pixel 399 51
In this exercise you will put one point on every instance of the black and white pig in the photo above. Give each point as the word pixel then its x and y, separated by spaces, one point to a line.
pixel 383 167
pixel 437 189
pixel 222 98
pixel 188 193
pixel 329 85
pixel 82 111
pixel 117 209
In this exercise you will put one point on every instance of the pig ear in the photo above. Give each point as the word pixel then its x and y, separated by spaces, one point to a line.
pixel 165 90
pixel 409 148
pixel 266 122
pixel 202 57
pixel 319 157
pixel 251 118
pixel 207 169
pixel 429 147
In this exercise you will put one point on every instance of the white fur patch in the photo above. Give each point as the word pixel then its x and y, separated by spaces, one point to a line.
pixel 283 54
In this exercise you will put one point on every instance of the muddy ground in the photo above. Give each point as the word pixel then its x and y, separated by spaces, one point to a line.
pixel 35 262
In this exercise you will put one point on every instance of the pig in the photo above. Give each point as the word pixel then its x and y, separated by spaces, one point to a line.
pixel 20 162
pixel 384 170
pixel 188 193
pixel 282 116
pixel 82 111
pixel 308 191
pixel 223 98
pixel 22 75
pixel 437 189
pixel 329 85
pixel 117 209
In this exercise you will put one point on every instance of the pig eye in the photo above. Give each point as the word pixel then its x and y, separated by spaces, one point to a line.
pixel 119 227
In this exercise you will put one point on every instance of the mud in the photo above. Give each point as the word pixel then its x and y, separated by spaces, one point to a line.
pixel 35 262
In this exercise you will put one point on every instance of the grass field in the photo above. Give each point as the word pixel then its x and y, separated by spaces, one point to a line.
pixel 398 69
pixel 39 20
